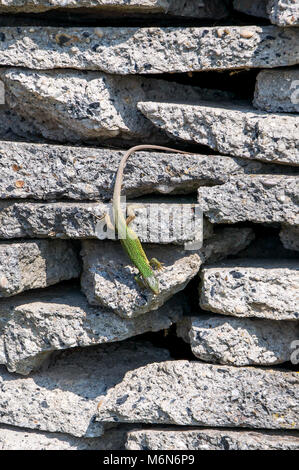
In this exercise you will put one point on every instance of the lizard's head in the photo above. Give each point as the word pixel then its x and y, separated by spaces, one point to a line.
pixel 153 284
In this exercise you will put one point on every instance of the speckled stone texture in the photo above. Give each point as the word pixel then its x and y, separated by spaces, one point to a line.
pixel 238 341
pixel 73 106
pixel 190 393
pixel 280 12
pixel 252 288
pixel 49 172
pixel 175 49
pixel 35 325
pixel 277 91
pixel 255 198
pixel 108 275
pixel 33 264
pixel 64 396
pixel 249 133
pixel 204 9
pixel 174 438
pixel 290 237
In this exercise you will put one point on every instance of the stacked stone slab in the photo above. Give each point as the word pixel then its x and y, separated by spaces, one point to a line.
pixel 88 358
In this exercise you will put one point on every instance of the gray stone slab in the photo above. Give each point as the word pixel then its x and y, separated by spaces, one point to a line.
pixel 108 277
pixel 277 91
pixel 33 264
pixel 33 326
pixel 290 237
pixel 72 106
pixel 174 438
pixel 283 12
pixel 255 198
pixel 251 288
pixel 108 274
pixel 80 220
pixel 176 49
pixel 232 129
pixel 195 394
pixel 204 9
pixel 239 341
pixel 64 397
pixel 15 438
pixel 41 171
pixel 279 12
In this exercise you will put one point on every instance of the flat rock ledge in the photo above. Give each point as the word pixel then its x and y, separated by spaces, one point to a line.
pixel 53 172
pixel 231 129
pixel 252 288
pixel 239 341
pixel 64 397
pixel 16 438
pixel 35 325
pixel 35 264
pixel 108 276
pixel 190 393
pixel 215 9
pixel 174 438
pixel 78 106
pixel 116 50
pixel 276 91
pixel 83 220
pixel 255 198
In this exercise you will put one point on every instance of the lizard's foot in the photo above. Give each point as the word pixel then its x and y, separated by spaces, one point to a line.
pixel 106 219
pixel 140 281
pixel 156 264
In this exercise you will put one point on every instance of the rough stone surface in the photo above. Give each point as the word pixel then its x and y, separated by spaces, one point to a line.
pixel 204 9
pixel 252 288
pixel 284 12
pixel 81 220
pixel 64 397
pixel 176 49
pixel 280 12
pixel 72 106
pixel 41 171
pixel 192 393
pixel 232 129
pixel 33 264
pixel 277 91
pixel 108 274
pixel 239 341
pixel 173 438
pixel 260 199
pixel 14 438
pixel 33 326
pixel 108 277
pixel 290 237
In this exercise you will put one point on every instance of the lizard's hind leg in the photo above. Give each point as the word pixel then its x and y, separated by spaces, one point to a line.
pixel 139 280
pixel 155 264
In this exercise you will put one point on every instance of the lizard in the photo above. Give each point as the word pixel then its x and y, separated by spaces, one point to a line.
pixel 131 244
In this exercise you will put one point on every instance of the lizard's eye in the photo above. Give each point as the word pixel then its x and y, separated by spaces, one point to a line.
pixel 153 284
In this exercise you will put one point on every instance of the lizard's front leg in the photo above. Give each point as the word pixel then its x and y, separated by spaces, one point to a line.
pixel 155 264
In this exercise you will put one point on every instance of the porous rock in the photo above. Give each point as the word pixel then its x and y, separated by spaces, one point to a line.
pixel 252 288
pixel 33 326
pixel 191 393
pixel 229 128
pixel 33 264
pixel 64 397
pixel 135 50
pixel 238 341
pixel 277 91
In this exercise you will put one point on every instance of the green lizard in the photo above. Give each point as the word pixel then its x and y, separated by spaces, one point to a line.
pixel 129 240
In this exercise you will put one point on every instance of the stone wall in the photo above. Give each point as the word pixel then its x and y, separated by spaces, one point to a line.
pixel 89 359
